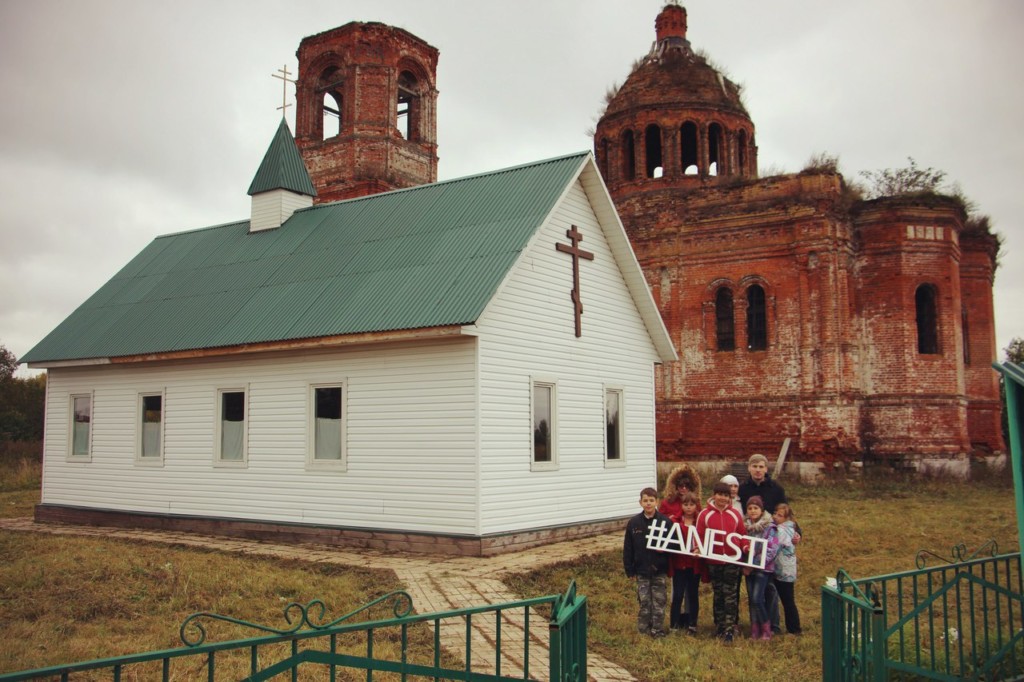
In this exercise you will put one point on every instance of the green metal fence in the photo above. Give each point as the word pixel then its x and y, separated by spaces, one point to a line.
pixel 961 619
pixel 520 645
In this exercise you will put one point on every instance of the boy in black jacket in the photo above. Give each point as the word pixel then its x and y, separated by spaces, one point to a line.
pixel 647 566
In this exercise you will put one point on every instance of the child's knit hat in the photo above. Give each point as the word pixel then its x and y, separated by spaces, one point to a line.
pixel 730 479
pixel 756 499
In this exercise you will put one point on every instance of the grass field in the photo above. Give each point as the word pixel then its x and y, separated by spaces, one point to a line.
pixel 73 598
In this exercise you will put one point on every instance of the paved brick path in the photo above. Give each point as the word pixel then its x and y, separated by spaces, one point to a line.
pixel 435 584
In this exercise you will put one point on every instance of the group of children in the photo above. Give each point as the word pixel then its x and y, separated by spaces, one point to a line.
pixel 653 570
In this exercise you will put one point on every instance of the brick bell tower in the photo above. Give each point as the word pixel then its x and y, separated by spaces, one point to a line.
pixel 366 110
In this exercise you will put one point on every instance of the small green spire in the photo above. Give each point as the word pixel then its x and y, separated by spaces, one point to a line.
pixel 282 167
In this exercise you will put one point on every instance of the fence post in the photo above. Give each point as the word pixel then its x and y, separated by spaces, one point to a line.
pixel 878 640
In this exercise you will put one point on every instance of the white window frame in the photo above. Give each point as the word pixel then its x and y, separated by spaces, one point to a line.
pixel 218 455
pixel 71 456
pixel 330 464
pixel 620 461
pixel 552 464
pixel 140 415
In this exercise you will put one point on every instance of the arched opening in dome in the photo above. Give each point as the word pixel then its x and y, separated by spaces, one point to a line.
pixel 602 157
pixel 715 139
pixel 688 148
pixel 652 139
pixel 741 151
pixel 628 155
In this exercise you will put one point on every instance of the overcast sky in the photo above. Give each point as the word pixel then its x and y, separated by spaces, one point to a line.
pixel 127 119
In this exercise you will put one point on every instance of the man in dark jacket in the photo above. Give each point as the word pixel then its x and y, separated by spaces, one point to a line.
pixel 761 484
pixel 647 566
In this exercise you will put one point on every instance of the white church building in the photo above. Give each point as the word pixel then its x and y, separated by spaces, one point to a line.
pixel 462 367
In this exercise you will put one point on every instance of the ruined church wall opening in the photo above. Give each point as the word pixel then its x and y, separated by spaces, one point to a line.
pixel 725 321
pixel 927 319
pixel 757 318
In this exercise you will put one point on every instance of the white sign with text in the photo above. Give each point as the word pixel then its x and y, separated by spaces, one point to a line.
pixel 717 545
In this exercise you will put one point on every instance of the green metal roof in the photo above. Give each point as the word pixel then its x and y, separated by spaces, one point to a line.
pixel 428 256
pixel 282 166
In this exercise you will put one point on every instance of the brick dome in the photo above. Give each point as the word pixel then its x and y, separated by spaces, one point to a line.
pixel 672 75
pixel 675 122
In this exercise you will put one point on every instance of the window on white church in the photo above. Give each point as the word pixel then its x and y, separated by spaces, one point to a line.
pixel 543 400
pixel 231 431
pixel 151 422
pixel 614 427
pixel 327 426
pixel 80 438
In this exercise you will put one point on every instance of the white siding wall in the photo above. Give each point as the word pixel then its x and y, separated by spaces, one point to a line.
pixel 271 209
pixel 528 331
pixel 411 439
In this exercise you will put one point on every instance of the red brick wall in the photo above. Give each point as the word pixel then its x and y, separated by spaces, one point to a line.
pixel 977 271
pixel 842 373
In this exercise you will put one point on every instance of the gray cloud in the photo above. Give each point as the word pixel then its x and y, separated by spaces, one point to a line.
pixel 124 120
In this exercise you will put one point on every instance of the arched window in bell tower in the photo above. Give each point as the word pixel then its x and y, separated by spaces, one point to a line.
pixel 688 148
pixel 332 115
pixel 715 149
pixel 407 106
pixel 331 86
pixel 652 139
pixel 927 320
pixel 628 155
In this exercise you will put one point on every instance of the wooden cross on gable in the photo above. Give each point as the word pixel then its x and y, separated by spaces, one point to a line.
pixel 576 252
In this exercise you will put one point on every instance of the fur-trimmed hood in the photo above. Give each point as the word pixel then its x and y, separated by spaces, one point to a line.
pixel 687 473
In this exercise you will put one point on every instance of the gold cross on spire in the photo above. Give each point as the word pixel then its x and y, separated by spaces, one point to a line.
pixel 285 80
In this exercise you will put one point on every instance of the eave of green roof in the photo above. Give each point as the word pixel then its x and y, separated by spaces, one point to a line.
pixel 282 166
pixel 415 258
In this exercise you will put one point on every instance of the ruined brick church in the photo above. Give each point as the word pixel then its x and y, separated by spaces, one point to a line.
pixel 857 329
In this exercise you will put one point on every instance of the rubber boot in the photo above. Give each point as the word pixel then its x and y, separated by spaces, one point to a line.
pixel 755 631
pixel 766 631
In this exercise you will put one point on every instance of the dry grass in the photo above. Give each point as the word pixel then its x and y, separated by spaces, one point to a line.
pixel 21 465
pixel 869 528
pixel 65 599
